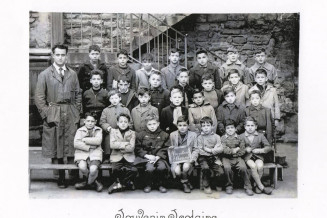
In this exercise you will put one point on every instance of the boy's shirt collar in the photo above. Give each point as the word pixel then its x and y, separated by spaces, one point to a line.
pixel 238 62
pixel 212 133
pixel 205 103
pixel 158 130
pixel 146 72
pixel 119 104
pixel 248 134
pixel 83 128
pixel 225 104
pixel 253 108
pixel 231 136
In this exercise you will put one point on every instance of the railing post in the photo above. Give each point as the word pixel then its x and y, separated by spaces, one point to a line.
pixel 111 38
pixel 101 27
pixel 91 31
pixel 139 38
pixel 158 50
pixel 185 50
pixel 167 47
pixel 71 29
pixel 130 35
pixel 117 32
pixel 81 30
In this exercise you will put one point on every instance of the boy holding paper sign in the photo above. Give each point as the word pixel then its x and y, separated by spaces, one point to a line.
pixel 179 138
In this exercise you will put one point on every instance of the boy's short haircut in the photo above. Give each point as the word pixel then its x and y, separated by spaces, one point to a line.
pixel 94 48
pixel 229 122
pixel 182 118
pixel 123 78
pixel 260 71
pixel 175 90
pixel 206 119
pixel 232 49
pixel 182 70
pixel 147 56
pixel 174 50
pixel 249 118
pixel 255 92
pixel 207 76
pixel 201 51
pixel 156 72
pixel 229 90
pixel 113 92
pixel 196 91
pixel 123 52
pixel 91 114
pixel 258 51
pixel 233 71
pixel 59 46
pixel 96 72
pixel 151 117
pixel 124 115
pixel 142 90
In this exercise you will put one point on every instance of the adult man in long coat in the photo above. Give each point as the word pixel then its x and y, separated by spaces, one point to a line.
pixel 58 99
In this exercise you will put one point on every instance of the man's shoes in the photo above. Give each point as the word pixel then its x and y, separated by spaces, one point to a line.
pixel 186 188
pixel 61 183
pixel 207 190
pixel 267 190
pixel 229 190
pixel 147 189
pixel 98 186
pixel 162 189
pixel 257 190
pixel 81 185
pixel 249 192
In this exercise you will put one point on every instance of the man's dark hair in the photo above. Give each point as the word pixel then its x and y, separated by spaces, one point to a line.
pixel 94 48
pixel 59 46
pixel 201 51
pixel 123 52
pixel 206 119
pixel 97 72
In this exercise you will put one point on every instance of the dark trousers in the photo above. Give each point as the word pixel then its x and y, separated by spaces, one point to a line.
pixel 238 165
pixel 155 172
pixel 207 164
pixel 124 171
pixel 73 174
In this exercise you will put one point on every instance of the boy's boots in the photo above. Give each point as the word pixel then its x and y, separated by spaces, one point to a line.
pixel 81 185
pixel 186 187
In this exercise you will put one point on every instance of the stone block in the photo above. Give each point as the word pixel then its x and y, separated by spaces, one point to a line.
pixel 218 46
pixel 231 31
pixel 259 39
pixel 239 40
pixel 217 17
pixel 234 24
pixel 202 27
pixel 202 37
pixel 214 27
pixel 247 47
pixel 201 18
pixel 109 24
pixel 236 17
pixel 253 17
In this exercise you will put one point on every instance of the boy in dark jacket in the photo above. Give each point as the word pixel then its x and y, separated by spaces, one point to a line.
pixel 183 77
pixel 214 96
pixel 234 149
pixel 121 68
pixel 159 95
pixel 84 72
pixel 128 96
pixel 170 114
pixel 95 99
pixel 229 109
pixel 151 150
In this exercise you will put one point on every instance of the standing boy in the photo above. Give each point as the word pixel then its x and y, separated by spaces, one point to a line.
pixel 214 96
pixel 151 149
pixel 170 72
pixel 207 147
pixel 183 77
pixel 94 63
pixel 120 69
pixel 88 153
pixel 234 63
pixel 203 67
pixel 58 99
pixel 261 63
pixel 159 95
pixel 199 109
pixel 128 96
pixel 143 110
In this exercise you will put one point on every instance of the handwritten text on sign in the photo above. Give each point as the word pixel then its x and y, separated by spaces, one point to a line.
pixel 180 154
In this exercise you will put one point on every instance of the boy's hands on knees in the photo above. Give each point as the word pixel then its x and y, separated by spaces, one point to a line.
pixel 257 151
pixel 109 129
pixel 235 150
pixel 248 149
pixel 150 157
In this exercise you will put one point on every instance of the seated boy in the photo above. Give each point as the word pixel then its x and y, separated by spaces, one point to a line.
pixel 234 150
pixel 256 145
pixel 234 63
pixel 143 110
pixel 203 67
pixel 88 153
pixel 121 68
pixel 170 72
pixel 151 149
pixel 269 98
pixel 108 118
pixel 128 96
pixel 170 114
pixel 260 63
pixel 241 90
pixel 159 95
pixel 183 84
pixel 199 109
pixel 214 96
pixel 84 72
pixel 95 99
pixel 261 114
pixel 206 149
pixel 229 109
pixel 182 137
pixel 143 74
pixel 122 144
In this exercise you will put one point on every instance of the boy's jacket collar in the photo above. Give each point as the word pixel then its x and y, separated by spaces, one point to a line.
pixel 238 62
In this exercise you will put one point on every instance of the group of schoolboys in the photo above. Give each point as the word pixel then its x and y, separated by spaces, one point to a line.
pixel 226 115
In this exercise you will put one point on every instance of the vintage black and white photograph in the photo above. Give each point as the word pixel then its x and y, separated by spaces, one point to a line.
pixel 168 106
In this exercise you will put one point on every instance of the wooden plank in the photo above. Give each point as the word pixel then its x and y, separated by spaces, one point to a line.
pixel 62 166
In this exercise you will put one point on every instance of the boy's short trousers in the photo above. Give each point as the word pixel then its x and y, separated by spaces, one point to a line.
pixel 254 158
pixel 90 162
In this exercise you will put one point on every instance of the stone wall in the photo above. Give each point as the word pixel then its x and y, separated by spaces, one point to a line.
pixel 40 30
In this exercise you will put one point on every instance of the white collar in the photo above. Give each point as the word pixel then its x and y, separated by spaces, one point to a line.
pixel 57 67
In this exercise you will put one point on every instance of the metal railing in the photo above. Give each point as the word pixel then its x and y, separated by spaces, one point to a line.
pixel 136 33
